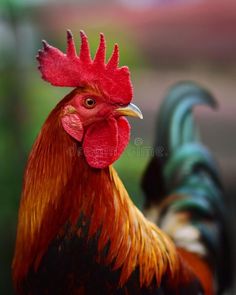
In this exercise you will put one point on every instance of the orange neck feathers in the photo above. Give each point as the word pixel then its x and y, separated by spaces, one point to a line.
pixel 49 169
pixel 59 185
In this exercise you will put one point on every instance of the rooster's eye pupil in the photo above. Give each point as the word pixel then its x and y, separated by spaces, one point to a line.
pixel 90 102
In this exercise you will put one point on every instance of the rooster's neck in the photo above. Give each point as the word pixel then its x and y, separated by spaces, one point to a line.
pixel 60 186
pixel 47 195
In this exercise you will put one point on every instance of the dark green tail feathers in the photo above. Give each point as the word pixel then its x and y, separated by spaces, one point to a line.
pixel 182 165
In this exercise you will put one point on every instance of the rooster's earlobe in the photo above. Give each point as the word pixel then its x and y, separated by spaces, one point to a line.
pixel 71 123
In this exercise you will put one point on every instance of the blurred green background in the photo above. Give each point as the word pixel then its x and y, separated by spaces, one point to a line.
pixel 162 41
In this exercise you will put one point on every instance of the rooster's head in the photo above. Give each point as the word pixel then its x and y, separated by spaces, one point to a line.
pixel 102 97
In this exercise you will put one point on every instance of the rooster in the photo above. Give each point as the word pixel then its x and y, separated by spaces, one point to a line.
pixel 78 230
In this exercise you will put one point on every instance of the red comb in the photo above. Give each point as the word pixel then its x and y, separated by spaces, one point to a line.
pixel 72 70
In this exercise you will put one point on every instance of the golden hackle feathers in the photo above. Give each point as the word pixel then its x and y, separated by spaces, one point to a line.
pixel 57 191
pixel 48 170
pixel 60 187
pixel 136 242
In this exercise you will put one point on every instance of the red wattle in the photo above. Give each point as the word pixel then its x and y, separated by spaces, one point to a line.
pixel 73 126
pixel 123 136
pixel 105 141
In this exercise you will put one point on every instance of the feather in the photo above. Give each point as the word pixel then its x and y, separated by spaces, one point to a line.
pixel 192 195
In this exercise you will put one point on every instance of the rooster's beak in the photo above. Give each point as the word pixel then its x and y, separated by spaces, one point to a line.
pixel 130 110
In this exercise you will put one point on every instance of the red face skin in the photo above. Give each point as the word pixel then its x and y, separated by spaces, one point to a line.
pixel 92 119
pixel 92 107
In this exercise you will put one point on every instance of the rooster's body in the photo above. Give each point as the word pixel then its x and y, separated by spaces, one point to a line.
pixel 78 231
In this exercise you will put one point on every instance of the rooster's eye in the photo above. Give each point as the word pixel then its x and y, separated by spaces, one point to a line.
pixel 89 103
